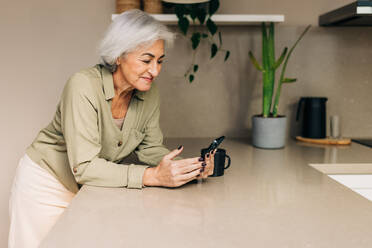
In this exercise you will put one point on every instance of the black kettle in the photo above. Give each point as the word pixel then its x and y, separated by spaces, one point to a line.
pixel 313 118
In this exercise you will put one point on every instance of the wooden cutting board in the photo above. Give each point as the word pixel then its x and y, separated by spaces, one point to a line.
pixel 326 141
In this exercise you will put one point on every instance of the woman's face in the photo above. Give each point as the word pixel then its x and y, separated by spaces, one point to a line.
pixel 139 68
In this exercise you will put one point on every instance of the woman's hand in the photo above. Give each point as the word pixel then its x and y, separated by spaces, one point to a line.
pixel 208 165
pixel 173 173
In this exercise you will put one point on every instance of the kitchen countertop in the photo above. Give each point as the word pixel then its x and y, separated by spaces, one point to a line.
pixel 267 198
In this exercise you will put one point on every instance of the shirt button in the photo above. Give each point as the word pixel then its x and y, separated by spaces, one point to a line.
pixel 74 170
pixel 120 143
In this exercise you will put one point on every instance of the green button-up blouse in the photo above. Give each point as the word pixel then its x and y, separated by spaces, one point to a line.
pixel 82 144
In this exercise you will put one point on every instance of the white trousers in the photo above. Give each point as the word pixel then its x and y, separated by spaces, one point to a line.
pixel 36 202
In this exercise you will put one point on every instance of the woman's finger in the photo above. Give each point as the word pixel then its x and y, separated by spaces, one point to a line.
pixel 190 167
pixel 205 172
pixel 212 163
pixel 186 162
pixel 193 178
pixel 174 153
pixel 209 167
pixel 189 176
pixel 199 177
pixel 202 170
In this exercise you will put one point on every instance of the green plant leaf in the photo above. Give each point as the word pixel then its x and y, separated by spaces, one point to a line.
pixel 298 40
pixel 227 55
pixel 220 38
pixel 193 11
pixel 195 39
pixel 284 67
pixel 212 27
pixel 268 73
pixel 201 15
pixel 168 5
pixel 289 80
pixel 281 58
pixel 187 9
pixel 271 45
pixel 265 57
pixel 180 10
pixel 191 78
pixel 254 61
pixel 213 6
pixel 204 35
pixel 183 24
pixel 196 67
pixel 213 50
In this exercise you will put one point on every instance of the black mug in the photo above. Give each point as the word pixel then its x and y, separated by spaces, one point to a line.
pixel 219 161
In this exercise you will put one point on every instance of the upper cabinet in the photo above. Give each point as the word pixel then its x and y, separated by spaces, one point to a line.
pixel 358 13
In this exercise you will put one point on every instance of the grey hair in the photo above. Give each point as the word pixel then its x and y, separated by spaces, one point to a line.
pixel 128 31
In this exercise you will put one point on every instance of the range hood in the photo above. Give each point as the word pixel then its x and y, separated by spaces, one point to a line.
pixel 358 13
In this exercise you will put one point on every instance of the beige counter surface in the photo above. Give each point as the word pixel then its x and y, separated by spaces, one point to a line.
pixel 267 198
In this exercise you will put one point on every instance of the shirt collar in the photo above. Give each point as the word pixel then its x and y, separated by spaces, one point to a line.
pixel 108 86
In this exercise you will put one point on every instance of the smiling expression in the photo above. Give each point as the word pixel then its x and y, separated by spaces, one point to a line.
pixel 139 68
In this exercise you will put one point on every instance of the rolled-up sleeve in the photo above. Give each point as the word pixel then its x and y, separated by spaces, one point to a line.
pixel 79 122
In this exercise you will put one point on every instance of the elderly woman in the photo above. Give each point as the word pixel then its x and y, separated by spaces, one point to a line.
pixel 105 113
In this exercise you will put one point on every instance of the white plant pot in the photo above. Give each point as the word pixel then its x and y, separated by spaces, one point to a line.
pixel 270 132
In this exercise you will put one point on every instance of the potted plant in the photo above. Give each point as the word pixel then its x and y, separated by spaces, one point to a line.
pixel 269 128
pixel 199 13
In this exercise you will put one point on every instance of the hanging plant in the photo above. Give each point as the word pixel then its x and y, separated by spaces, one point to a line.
pixel 200 15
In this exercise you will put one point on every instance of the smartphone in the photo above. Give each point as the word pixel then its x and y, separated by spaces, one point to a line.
pixel 215 143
